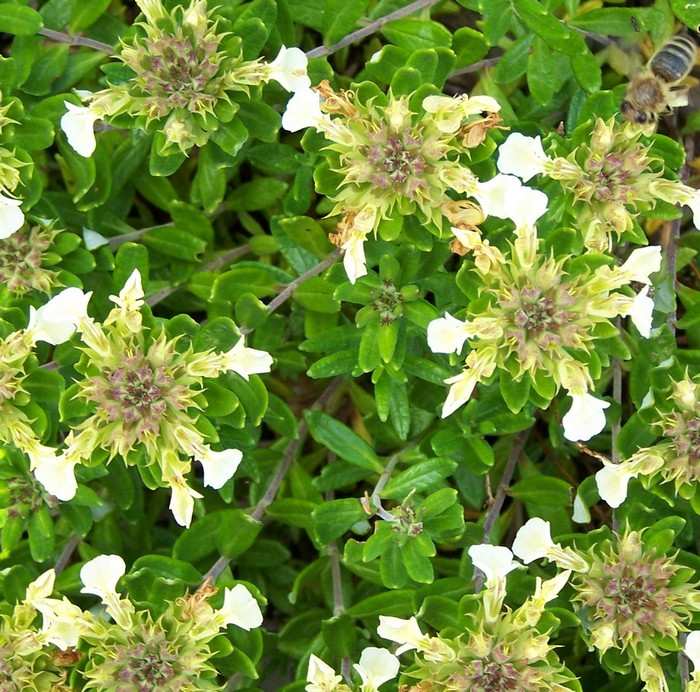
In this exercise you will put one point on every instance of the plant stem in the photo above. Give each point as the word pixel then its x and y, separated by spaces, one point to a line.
pixel 371 28
pixel 76 40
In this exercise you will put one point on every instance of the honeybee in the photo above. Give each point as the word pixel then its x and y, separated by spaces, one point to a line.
pixel 656 89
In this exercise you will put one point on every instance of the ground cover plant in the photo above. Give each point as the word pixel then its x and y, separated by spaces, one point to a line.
pixel 349 345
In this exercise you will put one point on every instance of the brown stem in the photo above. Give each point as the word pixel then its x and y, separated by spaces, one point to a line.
pixel 371 28
pixel 500 497
pixel 76 40
pixel 67 552
pixel 290 454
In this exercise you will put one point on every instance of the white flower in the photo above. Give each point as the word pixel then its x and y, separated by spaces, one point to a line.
pixel 11 216
pixel 692 650
pixel 580 515
pixel 61 624
pixel 643 262
pixel 506 197
pixel 303 110
pixel 78 124
pixel 320 676
pixel 461 389
pixel 240 609
pixel 130 298
pixel 376 667
pixel 56 321
pixel 354 260
pixel 640 312
pixel 522 156
pixel 585 418
pixel 494 561
pixel 693 201
pixel 533 540
pixel 55 472
pixel 403 632
pixel 93 239
pixel 612 481
pixel 182 500
pixel 246 361
pixel 447 334
pixel 101 574
pixel 289 69
pixel 218 466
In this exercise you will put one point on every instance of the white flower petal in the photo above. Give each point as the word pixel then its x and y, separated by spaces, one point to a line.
pixel 247 361
pixel 580 515
pixel 461 389
pixel 641 312
pixel 692 649
pixel 218 467
pixel 376 667
pixel 11 216
pixel 612 481
pixel 182 500
pixel 320 676
pixel 240 609
pixel 55 473
pixel 447 334
pixel 505 197
pixel 533 540
pixel 404 632
pixel 303 110
pixel 78 125
pixel 101 574
pixel 643 262
pixel 585 418
pixel 289 69
pixel 522 156
pixel 495 561
pixel 56 321
pixel 93 239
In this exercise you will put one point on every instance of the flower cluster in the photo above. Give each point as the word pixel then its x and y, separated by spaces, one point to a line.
pixel 133 650
pixel 608 178
pixel 537 317
pixel 499 649
pixel 142 397
pixel 178 79
pixel 388 158
pixel 675 458
pixel 632 600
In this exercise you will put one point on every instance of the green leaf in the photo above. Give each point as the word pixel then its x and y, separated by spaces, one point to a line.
pixel 587 71
pixel 542 490
pixel 391 603
pixel 540 71
pixel 317 294
pixel 392 569
pixel 175 243
pixel 85 14
pixel 20 21
pixel 514 392
pixel 293 512
pixel 227 532
pixel 414 33
pixel 41 534
pixel 343 18
pixel 559 36
pixel 514 62
pixel 616 21
pixel 688 12
pixel 420 477
pixel 419 567
pixel 338 438
pixel 339 634
pixel 335 517
pixel 260 193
